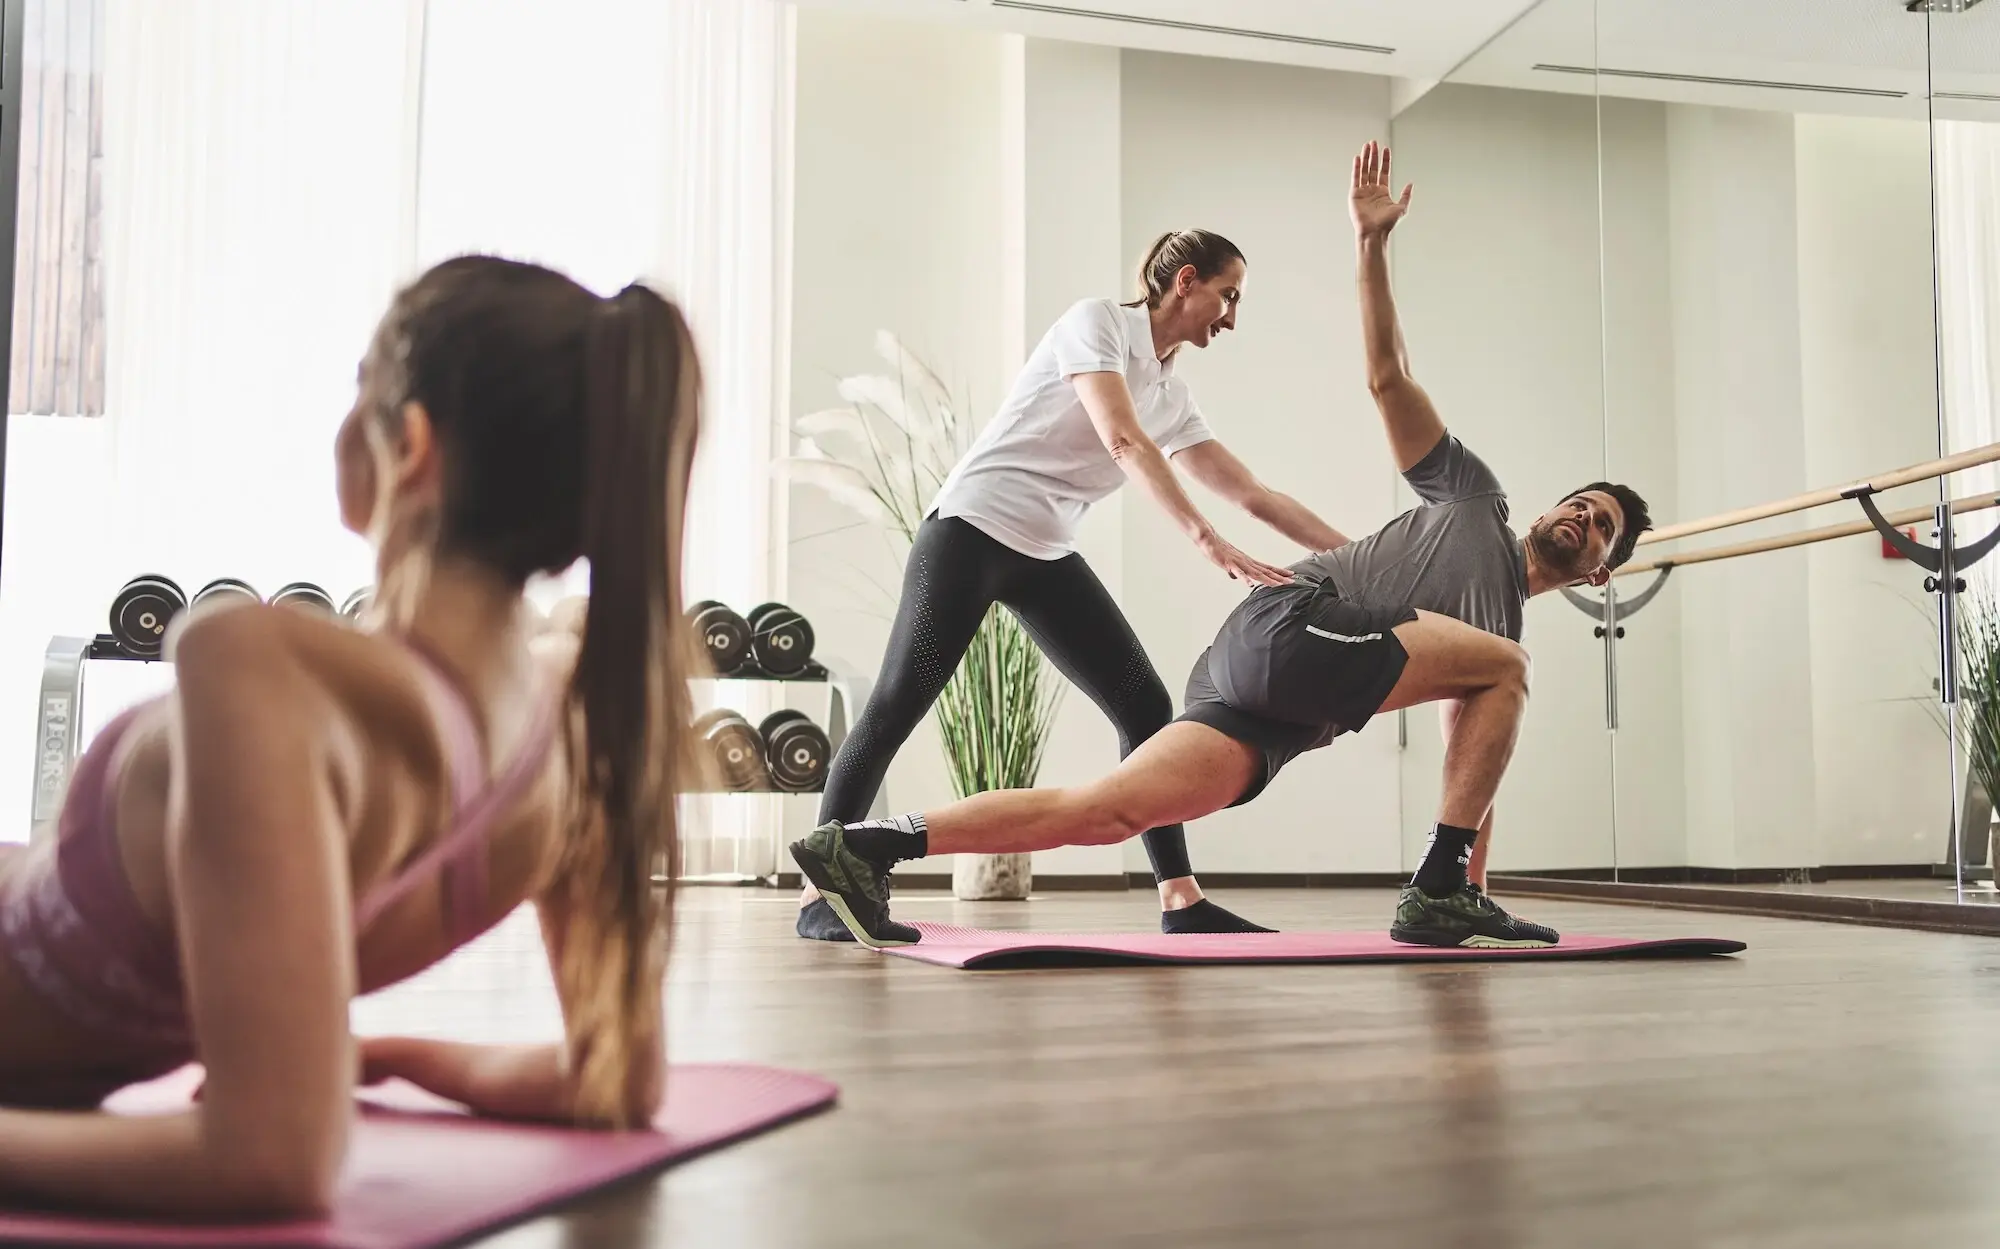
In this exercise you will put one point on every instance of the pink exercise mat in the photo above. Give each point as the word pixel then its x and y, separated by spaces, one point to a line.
pixel 422 1173
pixel 980 949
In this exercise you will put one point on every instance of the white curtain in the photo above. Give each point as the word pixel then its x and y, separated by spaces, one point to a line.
pixel 1967 158
pixel 252 235
pixel 272 171
pixel 641 139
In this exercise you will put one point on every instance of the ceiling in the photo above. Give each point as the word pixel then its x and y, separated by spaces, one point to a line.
pixel 1848 56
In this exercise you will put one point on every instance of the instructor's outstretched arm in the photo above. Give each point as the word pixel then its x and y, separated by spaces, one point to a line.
pixel 1109 403
pixel 1413 424
pixel 1216 467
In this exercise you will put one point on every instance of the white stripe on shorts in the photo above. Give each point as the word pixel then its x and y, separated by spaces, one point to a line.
pixel 1342 637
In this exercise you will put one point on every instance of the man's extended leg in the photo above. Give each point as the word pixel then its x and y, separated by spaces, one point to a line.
pixel 1077 624
pixel 1181 773
pixel 1488 676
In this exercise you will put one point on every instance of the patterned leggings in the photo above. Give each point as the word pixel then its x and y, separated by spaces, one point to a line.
pixel 954 573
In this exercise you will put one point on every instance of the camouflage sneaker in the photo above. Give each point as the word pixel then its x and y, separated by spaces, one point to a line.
pixel 857 888
pixel 1467 919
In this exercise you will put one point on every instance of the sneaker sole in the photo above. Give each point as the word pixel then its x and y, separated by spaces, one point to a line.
pixel 814 869
pixel 1474 941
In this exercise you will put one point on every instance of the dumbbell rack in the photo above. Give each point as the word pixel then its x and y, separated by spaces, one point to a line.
pixel 764 868
pixel 59 731
pixel 59 723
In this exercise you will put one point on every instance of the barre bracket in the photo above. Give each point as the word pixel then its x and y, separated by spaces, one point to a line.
pixel 1929 558
pixel 1614 608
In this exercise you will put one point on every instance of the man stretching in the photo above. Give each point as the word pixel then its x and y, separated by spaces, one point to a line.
pixel 1426 609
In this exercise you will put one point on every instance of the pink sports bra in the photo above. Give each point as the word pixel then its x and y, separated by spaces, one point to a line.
pixel 71 924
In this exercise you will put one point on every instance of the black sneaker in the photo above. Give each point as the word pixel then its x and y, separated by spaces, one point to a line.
pixel 857 888
pixel 1467 919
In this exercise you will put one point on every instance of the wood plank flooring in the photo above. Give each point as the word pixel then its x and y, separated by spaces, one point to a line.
pixel 1832 1086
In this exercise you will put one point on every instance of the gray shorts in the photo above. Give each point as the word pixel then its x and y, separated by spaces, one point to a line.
pixel 1294 667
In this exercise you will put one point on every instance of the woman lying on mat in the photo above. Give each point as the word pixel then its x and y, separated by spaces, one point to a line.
pixel 317 811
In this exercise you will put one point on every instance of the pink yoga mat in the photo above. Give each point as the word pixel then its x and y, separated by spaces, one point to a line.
pixel 980 949
pixel 423 1173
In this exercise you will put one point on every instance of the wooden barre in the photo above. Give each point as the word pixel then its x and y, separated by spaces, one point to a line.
pixel 1971 503
pixel 1816 498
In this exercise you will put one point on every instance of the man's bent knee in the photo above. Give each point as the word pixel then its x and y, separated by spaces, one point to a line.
pixel 1102 820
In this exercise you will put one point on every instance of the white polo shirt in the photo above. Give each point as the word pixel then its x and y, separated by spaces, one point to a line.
pixel 1038 465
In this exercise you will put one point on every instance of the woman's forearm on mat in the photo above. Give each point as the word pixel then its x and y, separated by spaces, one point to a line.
pixel 503 1081
pixel 141 1164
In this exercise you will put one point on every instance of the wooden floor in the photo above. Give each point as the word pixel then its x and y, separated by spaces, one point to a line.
pixel 1832 1086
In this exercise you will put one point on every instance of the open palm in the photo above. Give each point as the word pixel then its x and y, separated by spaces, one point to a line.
pixel 1370 201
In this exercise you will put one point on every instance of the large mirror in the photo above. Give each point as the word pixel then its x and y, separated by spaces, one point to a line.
pixel 1769 331
pixel 1964 57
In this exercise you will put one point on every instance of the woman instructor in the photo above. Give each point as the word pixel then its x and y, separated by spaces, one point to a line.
pixel 1097 404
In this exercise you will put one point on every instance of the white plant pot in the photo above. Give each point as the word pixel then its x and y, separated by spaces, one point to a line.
pixel 992 877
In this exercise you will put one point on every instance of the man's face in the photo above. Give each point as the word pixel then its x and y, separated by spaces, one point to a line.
pixel 1573 538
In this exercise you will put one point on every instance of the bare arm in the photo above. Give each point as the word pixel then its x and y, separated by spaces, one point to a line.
pixel 1216 467
pixel 257 857
pixel 1109 403
pixel 1413 425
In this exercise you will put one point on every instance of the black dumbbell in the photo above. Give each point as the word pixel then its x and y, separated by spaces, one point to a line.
pixel 303 594
pixel 223 588
pixel 781 640
pixel 736 748
pixel 796 750
pixel 357 602
pixel 141 612
pixel 725 636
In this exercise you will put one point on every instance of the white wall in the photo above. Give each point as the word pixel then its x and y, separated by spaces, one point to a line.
pixel 899 224
pixel 1497 271
pixel 1067 105
pixel 1799 354
pixel 1740 417
pixel 1261 154
pixel 1867 342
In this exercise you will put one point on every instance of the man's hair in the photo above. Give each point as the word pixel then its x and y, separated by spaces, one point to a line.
pixel 1637 519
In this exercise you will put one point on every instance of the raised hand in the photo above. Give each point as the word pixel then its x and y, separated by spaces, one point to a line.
pixel 1370 201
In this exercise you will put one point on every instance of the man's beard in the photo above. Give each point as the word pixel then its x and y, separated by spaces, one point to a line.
pixel 1565 563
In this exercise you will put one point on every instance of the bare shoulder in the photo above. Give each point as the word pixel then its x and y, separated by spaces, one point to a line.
pixel 299 670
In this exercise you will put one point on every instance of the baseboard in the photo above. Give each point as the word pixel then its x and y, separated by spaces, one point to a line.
pixel 1732 875
pixel 1041 883
pixel 1836 908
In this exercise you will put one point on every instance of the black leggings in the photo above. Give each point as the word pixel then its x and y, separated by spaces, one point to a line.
pixel 954 573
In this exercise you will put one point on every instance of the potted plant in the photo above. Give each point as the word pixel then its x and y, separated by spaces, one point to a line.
pixel 884 457
pixel 1978 621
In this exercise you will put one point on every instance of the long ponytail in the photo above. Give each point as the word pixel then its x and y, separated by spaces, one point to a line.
pixel 628 700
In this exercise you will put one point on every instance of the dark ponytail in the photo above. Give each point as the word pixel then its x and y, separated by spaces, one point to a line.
pixel 1206 250
pixel 629 704
pixel 566 427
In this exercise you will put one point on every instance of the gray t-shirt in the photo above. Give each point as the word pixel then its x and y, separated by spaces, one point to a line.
pixel 1453 555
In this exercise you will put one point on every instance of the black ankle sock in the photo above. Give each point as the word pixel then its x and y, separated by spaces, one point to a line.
pixel 1443 870
pixel 1206 916
pixel 817 922
pixel 892 840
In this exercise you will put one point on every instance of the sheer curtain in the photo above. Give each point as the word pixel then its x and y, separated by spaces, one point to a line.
pixel 1967 156
pixel 251 236
pixel 273 171
pixel 641 139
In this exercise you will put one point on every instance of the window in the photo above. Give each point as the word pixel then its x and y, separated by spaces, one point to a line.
pixel 58 351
